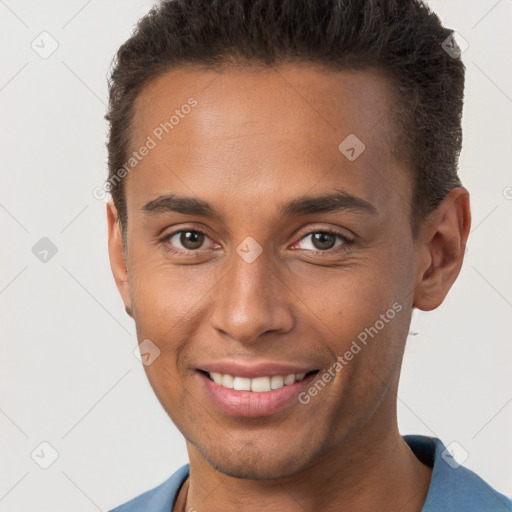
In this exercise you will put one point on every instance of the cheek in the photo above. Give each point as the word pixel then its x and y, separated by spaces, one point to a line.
pixel 164 295
pixel 364 314
pixel 349 299
pixel 170 390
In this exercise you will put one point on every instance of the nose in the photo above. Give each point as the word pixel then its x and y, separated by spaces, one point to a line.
pixel 251 300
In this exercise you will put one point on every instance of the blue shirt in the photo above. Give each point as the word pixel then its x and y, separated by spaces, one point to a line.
pixel 453 488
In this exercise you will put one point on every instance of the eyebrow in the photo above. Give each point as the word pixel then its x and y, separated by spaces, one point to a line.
pixel 339 200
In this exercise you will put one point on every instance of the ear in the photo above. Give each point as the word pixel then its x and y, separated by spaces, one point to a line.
pixel 117 256
pixel 442 243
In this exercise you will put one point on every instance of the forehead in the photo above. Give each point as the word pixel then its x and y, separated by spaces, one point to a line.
pixel 316 100
pixel 272 131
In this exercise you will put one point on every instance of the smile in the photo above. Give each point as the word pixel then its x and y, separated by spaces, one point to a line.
pixel 260 395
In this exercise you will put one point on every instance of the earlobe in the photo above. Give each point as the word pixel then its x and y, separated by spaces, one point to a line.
pixel 117 256
pixel 441 252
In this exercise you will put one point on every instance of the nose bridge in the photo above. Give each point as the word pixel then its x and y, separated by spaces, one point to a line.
pixel 248 302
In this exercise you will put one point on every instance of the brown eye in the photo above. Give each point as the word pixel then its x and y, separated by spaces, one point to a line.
pixel 189 240
pixel 323 241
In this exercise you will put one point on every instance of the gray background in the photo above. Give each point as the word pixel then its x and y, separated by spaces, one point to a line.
pixel 68 375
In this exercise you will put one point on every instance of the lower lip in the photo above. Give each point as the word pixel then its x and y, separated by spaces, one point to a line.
pixel 249 403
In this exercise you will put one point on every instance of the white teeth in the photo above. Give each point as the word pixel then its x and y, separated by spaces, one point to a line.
pixel 276 382
pixel 227 381
pixel 258 384
pixel 242 384
pixel 289 379
pixel 217 377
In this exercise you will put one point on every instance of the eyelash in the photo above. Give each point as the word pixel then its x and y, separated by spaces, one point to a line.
pixel 344 238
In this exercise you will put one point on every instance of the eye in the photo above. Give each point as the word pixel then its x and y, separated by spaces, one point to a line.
pixel 325 240
pixel 189 239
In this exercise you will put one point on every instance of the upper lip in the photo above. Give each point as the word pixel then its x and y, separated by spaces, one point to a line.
pixel 254 370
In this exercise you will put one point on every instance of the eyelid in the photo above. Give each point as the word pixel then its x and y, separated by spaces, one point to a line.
pixel 323 229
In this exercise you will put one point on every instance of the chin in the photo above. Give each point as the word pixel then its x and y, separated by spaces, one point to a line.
pixel 251 463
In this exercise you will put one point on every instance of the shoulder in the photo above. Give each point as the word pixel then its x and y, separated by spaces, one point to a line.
pixel 159 499
pixel 454 487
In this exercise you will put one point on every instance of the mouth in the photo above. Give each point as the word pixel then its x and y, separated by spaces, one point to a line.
pixel 263 395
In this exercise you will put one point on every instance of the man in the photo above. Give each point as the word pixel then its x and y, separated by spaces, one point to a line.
pixel 284 188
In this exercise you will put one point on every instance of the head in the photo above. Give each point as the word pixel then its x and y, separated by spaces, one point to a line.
pixel 323 142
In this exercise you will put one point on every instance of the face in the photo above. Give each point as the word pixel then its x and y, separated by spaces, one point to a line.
pixel 238 262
